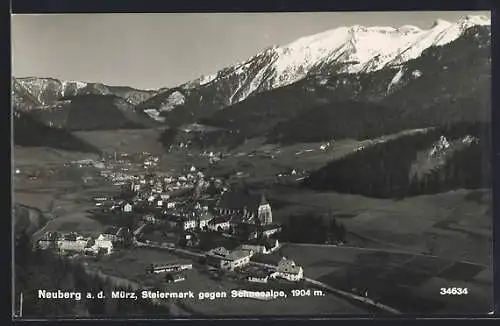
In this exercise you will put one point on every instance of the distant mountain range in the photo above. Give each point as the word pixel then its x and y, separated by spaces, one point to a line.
pixel 74 105
pixel 44 92
pixel 344 50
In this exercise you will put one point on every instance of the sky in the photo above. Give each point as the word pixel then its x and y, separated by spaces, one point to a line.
pixel 151 51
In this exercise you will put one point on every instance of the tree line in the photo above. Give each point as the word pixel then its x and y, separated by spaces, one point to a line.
pixel 309 228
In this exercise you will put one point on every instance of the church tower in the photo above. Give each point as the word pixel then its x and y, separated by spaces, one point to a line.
pixel 264 212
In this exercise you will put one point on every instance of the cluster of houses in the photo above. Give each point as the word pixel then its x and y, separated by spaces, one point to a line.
pixel 234 260
pixel 74 243
pixel 209 206
pixel 186 204
pixel 88 163
pixel 146 185
pixel 120 169
pixel 235 214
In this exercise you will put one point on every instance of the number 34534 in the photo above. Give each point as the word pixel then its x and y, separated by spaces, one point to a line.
pixel 454 291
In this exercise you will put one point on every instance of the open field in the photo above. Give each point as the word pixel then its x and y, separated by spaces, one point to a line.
pixel 198 280
pixel 249 158
pixel 410 283
pixel 126 140
pixel 58 191
pixel 455 225
pixel 43 156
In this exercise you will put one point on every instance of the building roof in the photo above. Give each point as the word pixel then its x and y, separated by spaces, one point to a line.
pixel 111 230
pixel 267 243
pixel 258 274
pixel 240 200
pixel 206 216
pixel 174 276
pixel 104 243
pixel 90 243
pixel 220 251
pixel 238 254
pixel 70 237
pixel 271 227
pixel 219 220
pixel 288 266
pixel 240 219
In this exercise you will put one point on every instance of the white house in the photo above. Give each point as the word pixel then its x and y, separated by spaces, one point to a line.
pixel 229 260
pixel 135 187
pixel 104 246
pixel 185 223
pixel 188 224
pixel 236 259
pixel 72 245
pixel 288 270
pixel 204 219
pixel 219 223
pixel 127 208
pixel 150 218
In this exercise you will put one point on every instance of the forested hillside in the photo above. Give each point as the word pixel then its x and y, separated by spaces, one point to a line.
pixel 387 170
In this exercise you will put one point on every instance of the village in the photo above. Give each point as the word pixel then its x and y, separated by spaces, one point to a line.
pixel 219 227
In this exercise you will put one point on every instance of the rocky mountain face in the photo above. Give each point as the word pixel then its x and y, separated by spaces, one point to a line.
pixel 354 50
pixel 33 92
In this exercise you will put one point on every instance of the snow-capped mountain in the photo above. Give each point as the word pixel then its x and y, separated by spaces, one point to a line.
pixel 355 49
pixel 31 92
pixel 445 84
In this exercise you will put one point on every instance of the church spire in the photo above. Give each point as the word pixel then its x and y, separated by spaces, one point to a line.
pixel 263 200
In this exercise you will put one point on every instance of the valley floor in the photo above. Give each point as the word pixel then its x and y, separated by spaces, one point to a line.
pixel 412 247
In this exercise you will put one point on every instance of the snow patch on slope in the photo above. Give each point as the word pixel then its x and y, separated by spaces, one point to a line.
pixel 175 99
pixel 154 114
pixel 207 79
pixel 395 80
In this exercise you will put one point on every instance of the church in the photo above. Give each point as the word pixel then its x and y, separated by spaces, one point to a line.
pixel 250 207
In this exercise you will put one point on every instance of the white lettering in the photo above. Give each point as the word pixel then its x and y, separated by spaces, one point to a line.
pixel 260 295
pixel 211 295
pixel 44 294
pixel 166 295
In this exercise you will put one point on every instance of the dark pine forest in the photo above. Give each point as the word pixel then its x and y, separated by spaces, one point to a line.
pixel 383 170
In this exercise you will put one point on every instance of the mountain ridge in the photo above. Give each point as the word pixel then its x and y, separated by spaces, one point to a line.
pixel 354 49
pixel 48 90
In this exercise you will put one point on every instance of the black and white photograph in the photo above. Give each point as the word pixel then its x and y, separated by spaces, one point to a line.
pixel 215 165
